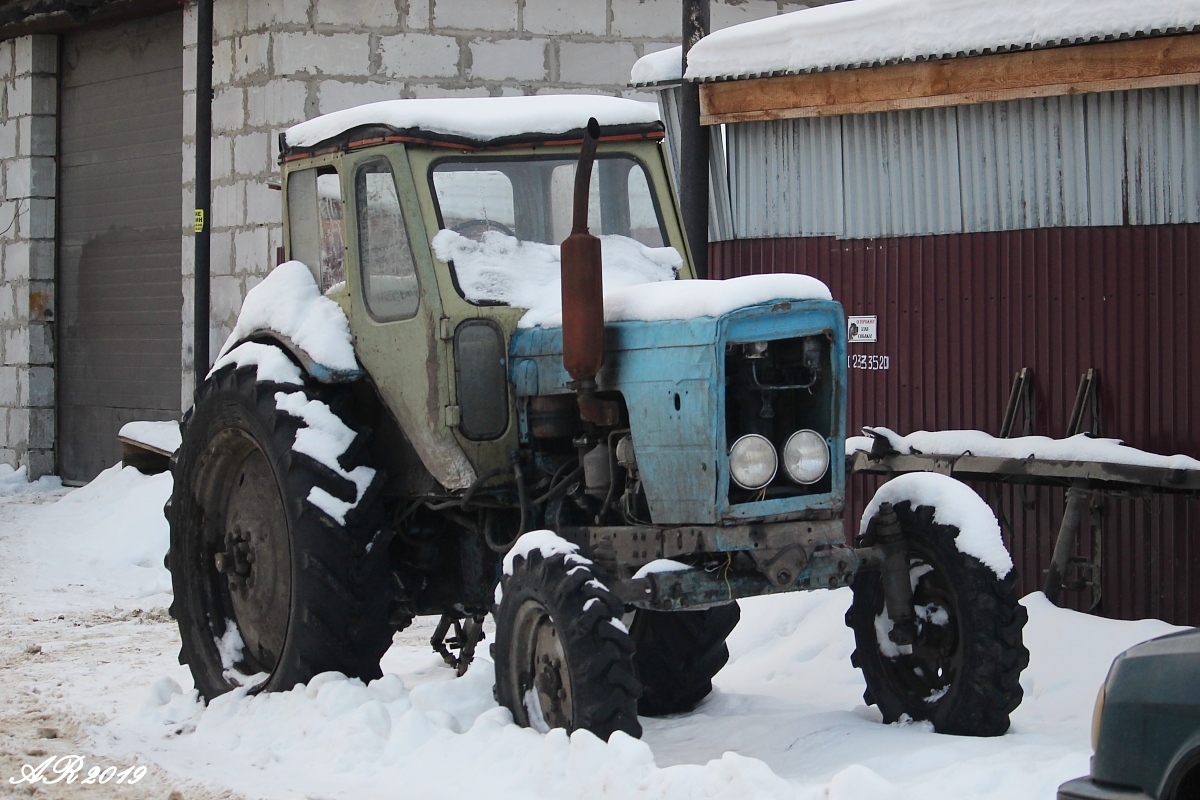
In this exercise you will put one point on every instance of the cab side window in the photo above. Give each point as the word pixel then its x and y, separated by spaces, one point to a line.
pixel 389 276
pixel 315 220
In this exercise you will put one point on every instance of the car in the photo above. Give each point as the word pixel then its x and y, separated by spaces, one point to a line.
pixel 1146 727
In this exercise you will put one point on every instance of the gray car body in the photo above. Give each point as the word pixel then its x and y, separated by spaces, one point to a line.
pixel 1149 737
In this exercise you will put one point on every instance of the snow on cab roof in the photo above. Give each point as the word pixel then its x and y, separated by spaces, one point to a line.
pixel 481 120
pixel 866 33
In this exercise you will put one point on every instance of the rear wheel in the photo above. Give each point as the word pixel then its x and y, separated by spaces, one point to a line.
pixel 271 550
pixel 963 671
pixel 563 658
pixel 677 653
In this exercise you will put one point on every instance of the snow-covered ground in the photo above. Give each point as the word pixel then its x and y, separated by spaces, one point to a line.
pixel 88 657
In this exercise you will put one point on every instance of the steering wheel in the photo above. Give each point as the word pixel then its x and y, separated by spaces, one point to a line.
pixel 474 229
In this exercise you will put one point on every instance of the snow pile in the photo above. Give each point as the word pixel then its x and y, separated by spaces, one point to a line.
pixel 661 67
pixel 1081 447
pixel 104 541
pixel 786 718
pixel 869 32
pixel 269 361
pixel 16 481
pixel 163 436
pixel 955 504
pixel 503 269
pixel 337 737
pixel 480 119
pixel 289 302
pixel 325 438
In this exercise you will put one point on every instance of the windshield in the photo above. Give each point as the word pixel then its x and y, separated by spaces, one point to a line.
pixel 530 199
pixel 503 219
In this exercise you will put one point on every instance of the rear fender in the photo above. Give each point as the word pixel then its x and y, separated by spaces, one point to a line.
pixel 318 371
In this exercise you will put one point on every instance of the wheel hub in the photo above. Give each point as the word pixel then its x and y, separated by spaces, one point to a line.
pixel 546 679
pixel 236 561
pixel 251 557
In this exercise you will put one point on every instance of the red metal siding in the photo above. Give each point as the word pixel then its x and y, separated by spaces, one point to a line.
pixel 960 314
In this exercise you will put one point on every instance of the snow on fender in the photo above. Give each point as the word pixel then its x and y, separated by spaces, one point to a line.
pixel 955 504
pixel 289 304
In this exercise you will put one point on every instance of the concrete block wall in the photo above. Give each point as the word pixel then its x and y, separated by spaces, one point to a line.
pixel 28 99
pixel 279 62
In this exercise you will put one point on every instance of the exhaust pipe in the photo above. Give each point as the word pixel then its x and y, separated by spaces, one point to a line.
pixel 583 292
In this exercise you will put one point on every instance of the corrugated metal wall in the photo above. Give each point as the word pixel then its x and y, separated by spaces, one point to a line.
pixel 960 314
pixel 1128 158
pixel 901 173
pixel 720 217
pixel 769 162
pixel 1024 164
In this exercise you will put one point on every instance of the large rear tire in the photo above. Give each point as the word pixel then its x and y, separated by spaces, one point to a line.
pixel 563 658
pixel 677 653
pixel 963 672
pixel 270 588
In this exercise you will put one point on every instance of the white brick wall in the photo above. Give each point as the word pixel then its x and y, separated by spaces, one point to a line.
pixel 336 95
pixel 27 173
pixel 564 17
pixel 419 55
pixel 509 59
pixel 278 62
pixel 317 54
pixel 490 15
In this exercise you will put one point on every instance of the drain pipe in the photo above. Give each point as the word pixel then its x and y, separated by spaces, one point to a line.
pixel 203 195
pixel 693 144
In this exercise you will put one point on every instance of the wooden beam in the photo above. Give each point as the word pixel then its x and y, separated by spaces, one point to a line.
pixel 1078 69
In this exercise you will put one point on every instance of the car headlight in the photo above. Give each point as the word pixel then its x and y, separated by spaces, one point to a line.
pixel 806 457
pixel 1097 713
pixel 752 461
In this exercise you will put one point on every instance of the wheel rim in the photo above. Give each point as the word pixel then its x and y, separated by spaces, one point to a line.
pixel 544 681
pixel 927 669
pixel 247 552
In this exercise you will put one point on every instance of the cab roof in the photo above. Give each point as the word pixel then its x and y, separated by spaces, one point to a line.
pixel 472 122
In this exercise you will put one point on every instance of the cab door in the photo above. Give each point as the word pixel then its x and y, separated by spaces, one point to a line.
pixel 396 310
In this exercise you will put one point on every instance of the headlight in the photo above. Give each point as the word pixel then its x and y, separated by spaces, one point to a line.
pixel 806 457
pixel 752 461
pixel 1097 714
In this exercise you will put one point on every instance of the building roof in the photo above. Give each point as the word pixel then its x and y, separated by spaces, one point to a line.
pixel 866 33
pixel 487 121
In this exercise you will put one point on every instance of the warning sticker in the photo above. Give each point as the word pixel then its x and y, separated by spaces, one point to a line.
pixel 862 329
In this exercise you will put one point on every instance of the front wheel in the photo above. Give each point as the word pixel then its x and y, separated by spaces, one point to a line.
pixel 563 657
pixel 963 671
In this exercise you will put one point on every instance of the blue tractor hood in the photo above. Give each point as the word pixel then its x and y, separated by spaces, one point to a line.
pixel 672 377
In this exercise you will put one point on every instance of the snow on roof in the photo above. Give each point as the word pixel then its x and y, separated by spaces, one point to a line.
pixel 665 66
pixel 1081 447
pixel 862 33
pixel 480 119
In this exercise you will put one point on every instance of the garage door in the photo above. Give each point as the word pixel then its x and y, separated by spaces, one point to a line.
pixel 120 210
